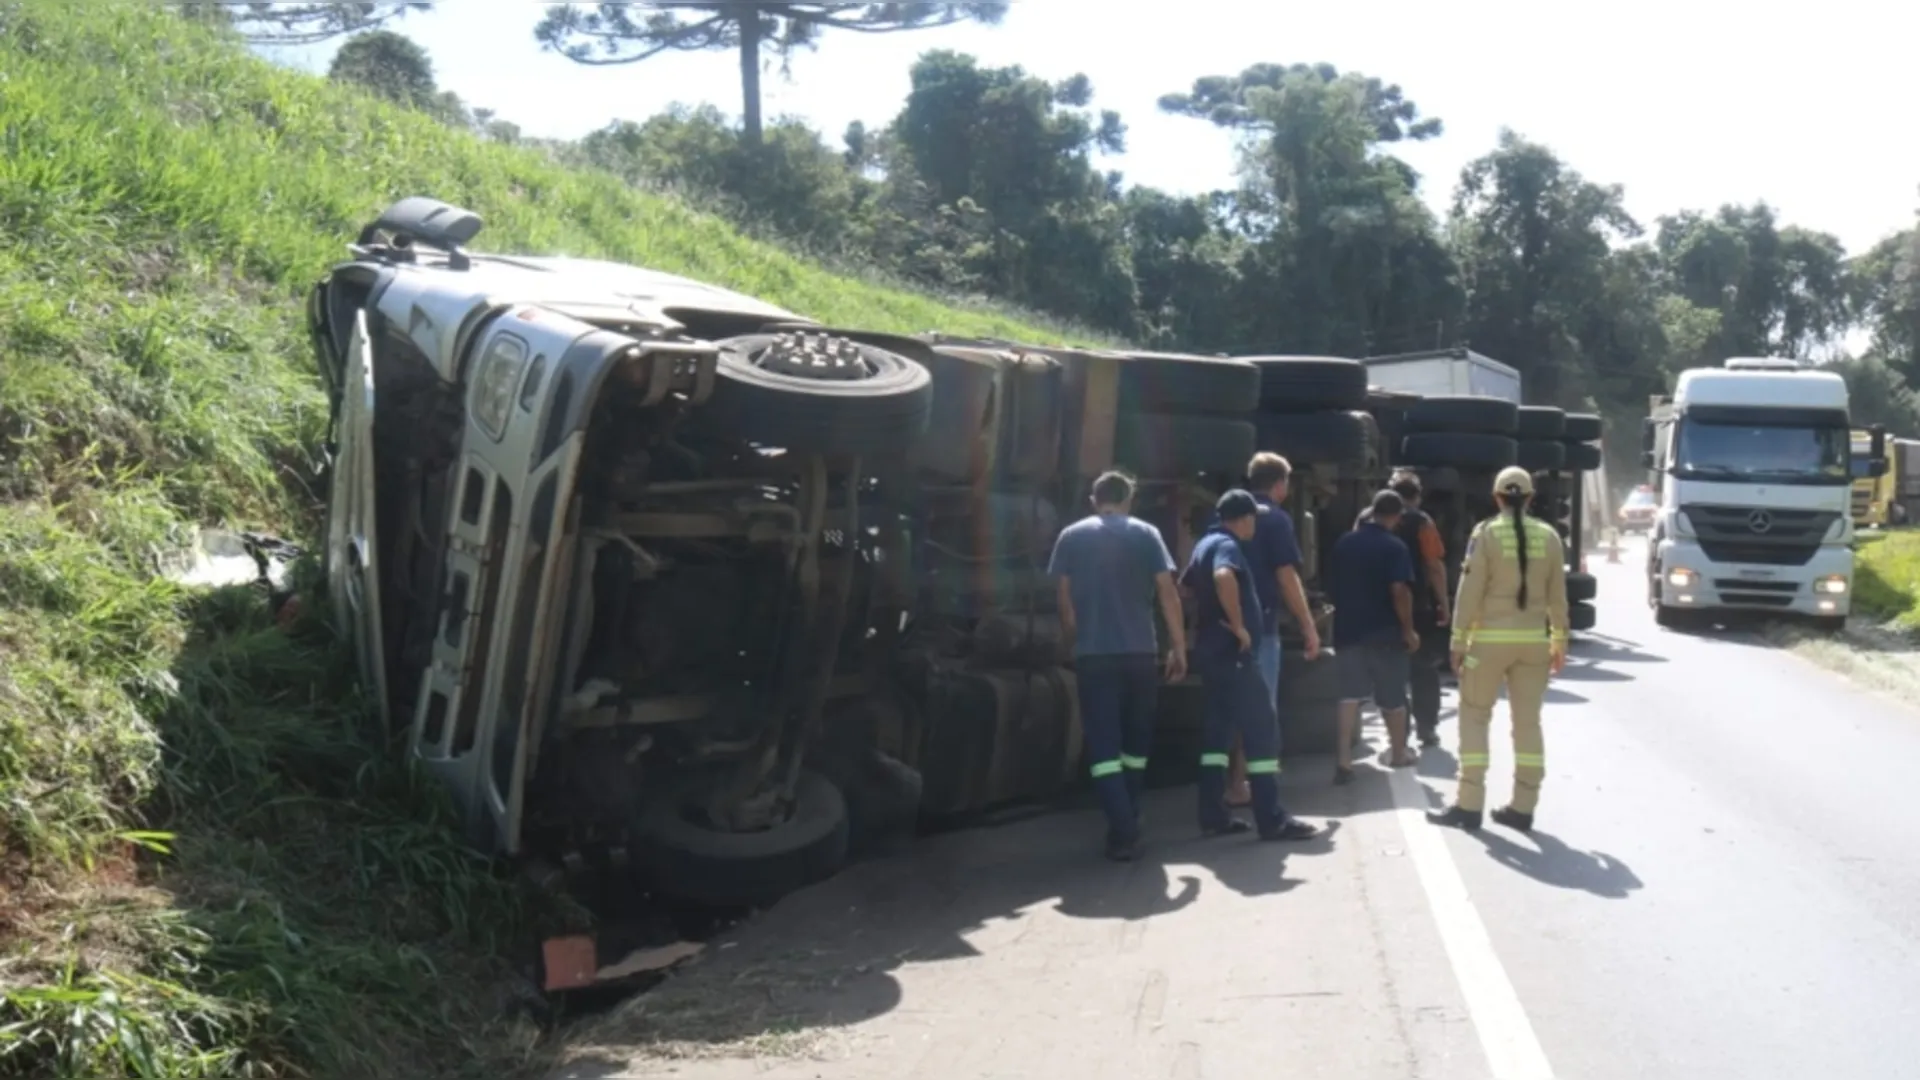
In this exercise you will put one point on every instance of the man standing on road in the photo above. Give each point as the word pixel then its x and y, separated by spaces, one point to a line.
pixel 1110 567
pixel 1238 702
pixel 1373 628
pixel 1417 531
pixel 1274 554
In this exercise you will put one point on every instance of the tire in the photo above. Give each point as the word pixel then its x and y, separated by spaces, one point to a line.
pixel 883 413
pixel 1581 616
pixel 1540 422
pixel 1321 438
pixel 1582 588
pixel 1540 455
pixel 1306 384
pixel 691 862
pixel 1169 383
pixel 1302 679
pixel 1462 450
pixel 1581 427
pixel 1439 480
pixel 1581 457
pixel 1168 447
pixel 1469 415
pixel 1310 726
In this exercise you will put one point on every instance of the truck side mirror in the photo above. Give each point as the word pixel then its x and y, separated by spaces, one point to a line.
pixel 1877 467
pixel 1646 443
pixel 1879 452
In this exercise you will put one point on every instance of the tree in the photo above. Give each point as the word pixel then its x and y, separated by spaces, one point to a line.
pixel 391 65
pixel 1534 242
pixel 619 33
pixel 1343 257
pixel 1779 291
pixel 1888 285
pixel 301 24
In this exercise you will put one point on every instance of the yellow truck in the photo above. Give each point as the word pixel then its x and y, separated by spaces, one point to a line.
pixel 1883 500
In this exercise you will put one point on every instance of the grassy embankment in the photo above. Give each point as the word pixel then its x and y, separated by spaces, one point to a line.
pixel 1887 577
pixel 209 864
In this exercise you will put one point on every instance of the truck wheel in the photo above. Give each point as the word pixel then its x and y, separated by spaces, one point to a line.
pixel 1462 450
pixel 691 861
pixel 1581 427
pixel 1581 457
pixel 1540 455
pixel 1320 438
pixel 1582 587
pixel 1170 383
pixel 1304 384
pixel 1470 415
pixel 1581 616
pixel 1166 447
pixel 1830 624
pixel 820 393
pixel 1540 422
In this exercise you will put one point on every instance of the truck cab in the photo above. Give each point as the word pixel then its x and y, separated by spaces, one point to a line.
pixel 1752 463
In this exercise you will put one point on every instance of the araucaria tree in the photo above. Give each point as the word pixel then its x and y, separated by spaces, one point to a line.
pixel 629 33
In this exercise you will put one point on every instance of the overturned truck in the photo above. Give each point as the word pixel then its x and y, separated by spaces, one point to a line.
pixel 656 576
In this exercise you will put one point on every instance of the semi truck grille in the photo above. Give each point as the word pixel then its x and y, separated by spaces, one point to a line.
pixel 1756 593
pixel 1760 535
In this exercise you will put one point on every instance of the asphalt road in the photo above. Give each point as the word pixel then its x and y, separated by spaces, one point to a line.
pixel 1725 883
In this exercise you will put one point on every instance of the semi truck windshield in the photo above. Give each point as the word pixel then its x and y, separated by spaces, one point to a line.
pixel 1775 453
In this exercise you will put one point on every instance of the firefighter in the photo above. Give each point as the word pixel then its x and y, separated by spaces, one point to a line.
pixel 1509 629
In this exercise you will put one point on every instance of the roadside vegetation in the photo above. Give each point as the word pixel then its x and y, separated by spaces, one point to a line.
pixel 211 864
pixel 1887 577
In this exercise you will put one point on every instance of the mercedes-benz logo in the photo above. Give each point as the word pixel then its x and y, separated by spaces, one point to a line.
pixel 1760 521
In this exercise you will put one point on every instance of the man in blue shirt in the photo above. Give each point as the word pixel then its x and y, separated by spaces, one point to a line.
pixel 1373 631
pixel 1225 590
pixel 1111 567
pixel 1274 554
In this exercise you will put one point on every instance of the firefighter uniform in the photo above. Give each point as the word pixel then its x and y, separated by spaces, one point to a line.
pixel 1507 637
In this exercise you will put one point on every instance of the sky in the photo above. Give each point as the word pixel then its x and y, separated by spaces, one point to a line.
pixel 1686 103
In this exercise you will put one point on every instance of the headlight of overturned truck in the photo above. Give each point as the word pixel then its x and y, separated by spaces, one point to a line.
pixel 494 381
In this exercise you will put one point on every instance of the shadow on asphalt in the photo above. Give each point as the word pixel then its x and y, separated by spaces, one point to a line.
pixel 1551 862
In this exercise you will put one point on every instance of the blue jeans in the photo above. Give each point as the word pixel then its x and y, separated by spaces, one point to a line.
pixel 1267 652
pixel 1117 698
pixel 1238 703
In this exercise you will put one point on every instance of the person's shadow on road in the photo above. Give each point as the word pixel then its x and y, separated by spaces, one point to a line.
pixel 1551 862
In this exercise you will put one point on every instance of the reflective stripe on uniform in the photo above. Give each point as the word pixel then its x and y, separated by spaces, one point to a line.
pixel 1213 761
pixel 1473 759
pixel 1106 768
pixel 1131 762
pixel 1508 636
pixel 1537 534
pixel 1260 766
pixel 1536 761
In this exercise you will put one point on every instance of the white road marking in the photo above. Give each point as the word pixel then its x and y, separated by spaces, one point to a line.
pixel 1513 1051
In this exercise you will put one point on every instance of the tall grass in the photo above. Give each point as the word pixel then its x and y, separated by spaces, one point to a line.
pixel 210 863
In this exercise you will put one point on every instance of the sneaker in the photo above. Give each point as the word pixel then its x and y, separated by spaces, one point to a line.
pixel 1123 850
pixel 1291 829
pixel 1342 775
pixel 1232 827
pixel 1429 738
pixel 1455 818
pixel 1513 819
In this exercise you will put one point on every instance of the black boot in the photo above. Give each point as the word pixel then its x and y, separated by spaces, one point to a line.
pixel 1429 736
pixel 1513 819
pixel 1123 850
pixel 1454 817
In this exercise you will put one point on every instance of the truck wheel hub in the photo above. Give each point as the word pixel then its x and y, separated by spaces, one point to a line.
pixel 820 357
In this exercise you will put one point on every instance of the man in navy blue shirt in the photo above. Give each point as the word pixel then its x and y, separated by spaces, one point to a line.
pixel 1111 567
pixel 1373 633
pixel 1226 639
pixel 1274 554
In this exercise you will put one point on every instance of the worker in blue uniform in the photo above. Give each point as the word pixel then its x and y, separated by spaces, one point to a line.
pixel 1220 579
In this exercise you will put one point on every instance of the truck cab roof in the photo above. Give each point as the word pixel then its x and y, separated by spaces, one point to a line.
pixel 1761 389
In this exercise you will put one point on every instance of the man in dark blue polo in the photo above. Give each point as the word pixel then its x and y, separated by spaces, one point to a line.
pixel 1238 702
pixel 1111 568
pixel 1373 633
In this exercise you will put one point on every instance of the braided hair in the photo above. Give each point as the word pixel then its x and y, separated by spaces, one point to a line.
pixel 1516 499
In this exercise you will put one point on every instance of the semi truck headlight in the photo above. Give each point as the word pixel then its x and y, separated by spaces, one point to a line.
pixel 1682 578
pixel 494 382
pixel 1832 585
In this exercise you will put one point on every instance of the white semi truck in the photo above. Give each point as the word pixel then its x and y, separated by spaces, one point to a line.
pixel 1751 463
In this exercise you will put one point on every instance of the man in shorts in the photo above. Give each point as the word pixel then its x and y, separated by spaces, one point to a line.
pixel 1373 632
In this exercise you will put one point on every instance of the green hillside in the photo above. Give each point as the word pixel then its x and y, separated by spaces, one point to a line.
pixel 209 865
